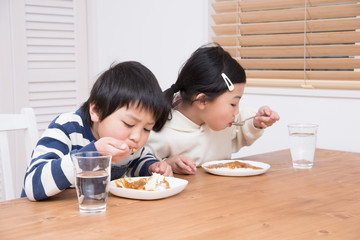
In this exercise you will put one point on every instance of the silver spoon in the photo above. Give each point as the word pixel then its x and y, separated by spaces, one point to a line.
pixel 243 121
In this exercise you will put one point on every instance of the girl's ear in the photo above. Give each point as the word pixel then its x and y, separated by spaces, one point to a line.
pixel 200 101
pixel 93 114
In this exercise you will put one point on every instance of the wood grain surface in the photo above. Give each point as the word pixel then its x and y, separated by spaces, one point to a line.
pixel 283 203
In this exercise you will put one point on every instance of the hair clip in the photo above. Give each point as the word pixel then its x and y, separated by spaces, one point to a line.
pixel 228 82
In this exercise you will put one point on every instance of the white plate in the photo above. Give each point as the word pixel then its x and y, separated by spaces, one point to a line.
pixel 237 171
pixel 176 186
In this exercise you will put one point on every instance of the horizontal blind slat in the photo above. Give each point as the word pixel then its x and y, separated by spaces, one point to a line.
pixel 52 75
pixel 324 63
pixel 52 95
pixel 314 75
pixel 51 65
pixel 50 34
pixel 50 3
pixel 290 39
pixel 49 10
pixel 295 51
pixel 297 14
pixel 50 26
pixel 51 57
pixel 289 27
pixel 49 18
pixel 254 5
pixel 53 102
pixel 50 49
pixel 52 86
pixel 52 110
pixel 46 118
pixel 355 85
pixel 50 42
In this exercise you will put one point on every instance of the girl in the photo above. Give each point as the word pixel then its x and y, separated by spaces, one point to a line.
pixel 125 103
pixel 205 102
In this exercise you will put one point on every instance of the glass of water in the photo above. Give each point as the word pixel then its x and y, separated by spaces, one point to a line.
pixel 92 179
pixel 302 144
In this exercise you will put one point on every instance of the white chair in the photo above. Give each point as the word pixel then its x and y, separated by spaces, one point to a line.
pixel 24 122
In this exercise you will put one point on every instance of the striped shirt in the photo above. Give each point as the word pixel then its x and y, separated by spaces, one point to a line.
pixel 51 168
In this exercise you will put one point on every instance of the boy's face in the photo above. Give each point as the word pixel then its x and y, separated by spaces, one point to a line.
pixel 131 125
pixel 218 114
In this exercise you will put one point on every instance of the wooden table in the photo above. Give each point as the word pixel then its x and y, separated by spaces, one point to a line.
pixel 283 203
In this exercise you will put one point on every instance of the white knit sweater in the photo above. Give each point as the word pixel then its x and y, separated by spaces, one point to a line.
pixel 182 136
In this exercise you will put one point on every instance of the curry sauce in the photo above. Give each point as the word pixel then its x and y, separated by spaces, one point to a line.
pixel 138 185
pixel 233 165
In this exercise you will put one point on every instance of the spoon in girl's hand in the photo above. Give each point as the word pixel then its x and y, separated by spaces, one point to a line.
pixel 243 121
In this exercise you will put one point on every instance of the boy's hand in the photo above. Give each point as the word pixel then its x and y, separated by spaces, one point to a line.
pixel 267 117
pixel 119 149
pixel 162 168
pixel 182 164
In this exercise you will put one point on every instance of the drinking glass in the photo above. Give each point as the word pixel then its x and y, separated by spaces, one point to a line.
pixel 302 138
pixel 92 179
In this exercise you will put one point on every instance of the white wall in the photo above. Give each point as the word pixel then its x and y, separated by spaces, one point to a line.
pixel 336 112
pixel 162 34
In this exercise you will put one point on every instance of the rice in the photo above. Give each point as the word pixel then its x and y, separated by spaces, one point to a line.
pixel 156 182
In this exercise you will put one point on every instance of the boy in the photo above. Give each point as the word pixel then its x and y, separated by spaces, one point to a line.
pixel 125 104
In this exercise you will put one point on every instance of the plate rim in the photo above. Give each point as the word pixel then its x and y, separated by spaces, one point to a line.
pixel 235 173
pixel 149 195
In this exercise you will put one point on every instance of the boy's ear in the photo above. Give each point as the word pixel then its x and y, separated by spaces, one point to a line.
pixel 200 100
pixel 93 114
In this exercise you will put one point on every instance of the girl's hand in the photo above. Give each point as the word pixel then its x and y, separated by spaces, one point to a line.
pixel 267 117
pixel 162 168
pixel 182 164
pixel 119 149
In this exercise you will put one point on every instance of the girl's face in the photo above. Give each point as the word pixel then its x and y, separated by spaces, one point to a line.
pixel 219 113
pixel 131 125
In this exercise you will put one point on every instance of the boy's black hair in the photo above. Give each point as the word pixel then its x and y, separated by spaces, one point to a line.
pixel 202 74
pixel 122 85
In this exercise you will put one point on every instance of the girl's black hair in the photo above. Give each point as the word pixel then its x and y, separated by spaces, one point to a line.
pixel 122 85
pixel 202 74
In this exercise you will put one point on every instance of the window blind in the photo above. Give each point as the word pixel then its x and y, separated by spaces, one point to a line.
pixel 292 43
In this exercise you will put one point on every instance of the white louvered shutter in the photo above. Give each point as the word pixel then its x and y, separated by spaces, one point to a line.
pixel 44 64
pixel 56 71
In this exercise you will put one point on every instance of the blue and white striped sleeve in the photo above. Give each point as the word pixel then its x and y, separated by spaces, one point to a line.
pixel 51 167
pixel 140 165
